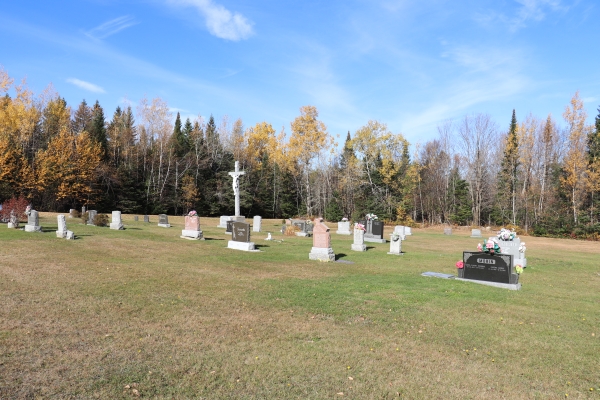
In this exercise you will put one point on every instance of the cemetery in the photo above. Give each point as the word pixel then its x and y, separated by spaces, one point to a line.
pixel 120 304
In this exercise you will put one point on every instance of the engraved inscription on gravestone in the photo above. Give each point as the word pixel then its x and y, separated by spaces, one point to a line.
pixel 241 232
pixel 486 267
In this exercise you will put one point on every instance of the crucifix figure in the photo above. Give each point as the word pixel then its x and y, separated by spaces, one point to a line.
pixel 236 186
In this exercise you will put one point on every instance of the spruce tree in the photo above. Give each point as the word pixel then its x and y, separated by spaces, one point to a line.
pixel 97 128
pixel 509 169
pixel 81 117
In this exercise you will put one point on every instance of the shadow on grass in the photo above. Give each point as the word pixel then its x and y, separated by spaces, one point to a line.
pixel 340 255
pixel 132 229
pixel 370 247
pixel 212 239
pixel 260 246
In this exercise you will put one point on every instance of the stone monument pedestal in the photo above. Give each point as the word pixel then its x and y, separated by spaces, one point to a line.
pixel 321 254
pixel 33 228
pixel 191 234
pixel 244 246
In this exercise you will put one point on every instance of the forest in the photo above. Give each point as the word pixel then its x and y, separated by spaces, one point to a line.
pixel 536 175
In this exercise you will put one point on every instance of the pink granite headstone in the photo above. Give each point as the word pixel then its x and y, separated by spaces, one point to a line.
pixel 321 236
pixel 192 223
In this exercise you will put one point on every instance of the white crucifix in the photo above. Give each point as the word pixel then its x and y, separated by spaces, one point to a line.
pixel 236 186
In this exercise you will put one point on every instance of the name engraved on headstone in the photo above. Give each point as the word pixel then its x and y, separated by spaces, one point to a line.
pixel 486 267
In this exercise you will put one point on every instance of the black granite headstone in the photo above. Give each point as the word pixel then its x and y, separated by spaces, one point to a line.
pixel 229 227
pixel 491 268
pixel 377 229
pixel 300 225
pixel 241 232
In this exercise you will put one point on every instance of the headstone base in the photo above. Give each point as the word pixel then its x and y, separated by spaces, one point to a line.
pixel 11 225
pixel 61 234
pixel 510 286
pixel 164 225
pixel 31 228
pixel 193 235
pixel 303 234
pixel 521 261
pixel 374 240
pixel 358 247
pixel 116 226
pixel 244 246
pixel 321 254
pixel 395 254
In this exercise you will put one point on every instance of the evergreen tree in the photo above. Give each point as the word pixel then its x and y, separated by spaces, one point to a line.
pixel 97 128
pixel 507 179
pixel 81 117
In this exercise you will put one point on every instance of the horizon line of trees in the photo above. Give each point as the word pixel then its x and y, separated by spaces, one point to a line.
pixel 534 175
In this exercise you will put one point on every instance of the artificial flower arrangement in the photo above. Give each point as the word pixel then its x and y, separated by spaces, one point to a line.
pixel 489 246
pixel 395 237
pixel 519 269
pixel 506 234
pixel 522 247
pixel 192 213
pixel 359 226
pixel 460 264
pixel 344 219
pixel 371 216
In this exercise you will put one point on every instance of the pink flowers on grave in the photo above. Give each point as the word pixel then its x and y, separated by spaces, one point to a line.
pixel 359 226
pixel 479 247
pixel 460 264
pixel 489 245
pixel 192 213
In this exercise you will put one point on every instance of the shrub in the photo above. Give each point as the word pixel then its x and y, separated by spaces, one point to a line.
pixel 18 205
pixel 101 220
pixel 85 216
pixel 291 230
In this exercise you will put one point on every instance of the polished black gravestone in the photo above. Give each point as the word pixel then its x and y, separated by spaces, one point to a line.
pixel 240 232
pixel 229 227
pixel 373 231
pixel 490 268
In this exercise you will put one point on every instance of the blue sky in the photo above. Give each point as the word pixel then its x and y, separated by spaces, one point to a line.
pixel 409 64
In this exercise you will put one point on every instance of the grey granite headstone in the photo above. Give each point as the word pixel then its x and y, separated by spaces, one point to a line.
pixel 62 226
pixel 72 213
pixel 33 222
pixel 135 218
pixel 395 244
pixel 343 228
pixel 359 240
pixel 146 218
pixel 476 233
pixel 447 231
pixel 116 223
pixel 91 215
pixel 256 223
pixel 163 221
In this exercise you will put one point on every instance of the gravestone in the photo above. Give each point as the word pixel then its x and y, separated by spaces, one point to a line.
pixel 72 213
pixel 62 226
pixel 407 231
pixel 116 223
pixel 284 229
pixel 359 240
pixel 13 222
pixel 256 223
pixel 395 244
pixel 83 210
pixel 476 233
pixel 136 218
pixel 321 249
pixel 374 231
pixel 495 269
pixel 400 230
pixel 91 215
pixel 62 231
pixel 229 228
pixel 33 222
pixel 300 224
pixel 447 231
pixel 146 218
pixel 192 228
pixel 240 237
pixel 343 228
pixel 288 221
pixel 163 221
pixel 512 247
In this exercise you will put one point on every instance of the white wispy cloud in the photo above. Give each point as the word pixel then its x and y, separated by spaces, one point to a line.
pixel 528 11
pixel 86 85
pixel 111 27
pixel 219 21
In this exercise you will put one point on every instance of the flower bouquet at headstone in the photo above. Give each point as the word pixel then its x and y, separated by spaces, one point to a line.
pixel 371 217
pixel 489 246
pixel 506 234
pixel 460 265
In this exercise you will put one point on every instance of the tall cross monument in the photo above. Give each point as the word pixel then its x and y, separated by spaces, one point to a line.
pixel 236 186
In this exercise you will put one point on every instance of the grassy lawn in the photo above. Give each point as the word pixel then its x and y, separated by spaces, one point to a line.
pixel 141 312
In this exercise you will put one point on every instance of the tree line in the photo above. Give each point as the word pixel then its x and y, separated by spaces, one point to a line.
pixel 534 175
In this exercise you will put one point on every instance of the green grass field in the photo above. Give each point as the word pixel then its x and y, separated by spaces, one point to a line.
pixel 143 313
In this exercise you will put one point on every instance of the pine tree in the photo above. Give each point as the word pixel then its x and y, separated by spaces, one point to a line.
pixel 97 128
pixel 507 179
pixel 82 117
pixel 593 170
